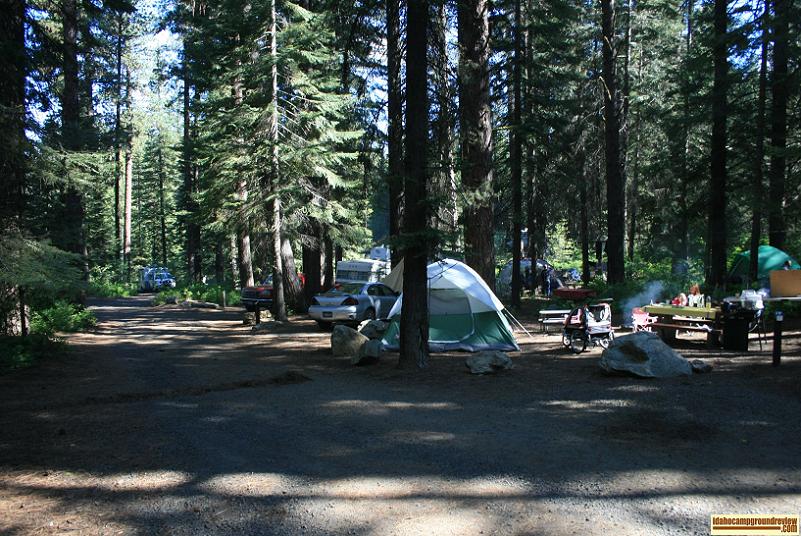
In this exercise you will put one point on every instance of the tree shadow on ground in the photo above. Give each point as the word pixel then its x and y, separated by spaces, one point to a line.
pixel 205 438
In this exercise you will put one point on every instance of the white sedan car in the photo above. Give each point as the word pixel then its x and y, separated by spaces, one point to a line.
pixel 352 302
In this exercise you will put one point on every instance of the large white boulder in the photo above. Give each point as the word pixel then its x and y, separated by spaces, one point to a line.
pixel 373 329
pixel 644 354
pixel 369 353
pixel 346 341
pixel 488 362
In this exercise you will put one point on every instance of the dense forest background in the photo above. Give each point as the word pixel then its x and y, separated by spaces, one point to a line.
pixel 232 139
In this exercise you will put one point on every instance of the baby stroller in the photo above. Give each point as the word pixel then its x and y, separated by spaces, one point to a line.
pixel 588 324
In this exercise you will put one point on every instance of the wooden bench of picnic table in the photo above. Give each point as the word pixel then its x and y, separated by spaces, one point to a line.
pixel 552 317
pixel 712 337
pixel 682 327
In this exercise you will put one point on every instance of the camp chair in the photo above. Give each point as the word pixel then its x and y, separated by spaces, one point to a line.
pixel 641 320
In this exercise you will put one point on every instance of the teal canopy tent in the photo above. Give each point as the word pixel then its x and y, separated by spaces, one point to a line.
pixel 770 259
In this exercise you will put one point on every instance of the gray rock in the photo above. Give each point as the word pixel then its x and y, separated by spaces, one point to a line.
pixel 199 304
pixel 373 329
pixel 700 367
pixel 169 300
pixel 644 354
pixel 488 362
pixel 346 341
pixel 266 326
pixel 369 353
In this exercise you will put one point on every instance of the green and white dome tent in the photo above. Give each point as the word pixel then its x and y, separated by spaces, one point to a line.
pixel 464 314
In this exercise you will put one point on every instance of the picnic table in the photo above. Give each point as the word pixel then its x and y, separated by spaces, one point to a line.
pixel 552 317
pixel 574 293
pixel 673 318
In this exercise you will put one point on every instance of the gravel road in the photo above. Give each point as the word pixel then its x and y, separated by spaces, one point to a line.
pixel 173 421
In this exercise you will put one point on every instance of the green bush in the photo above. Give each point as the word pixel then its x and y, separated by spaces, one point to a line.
pixel 110 289
pixel 20 352
pixel 62 316
pixel 171 295
pixel 109 281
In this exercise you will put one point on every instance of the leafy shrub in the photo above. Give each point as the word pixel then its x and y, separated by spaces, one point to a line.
pixel 62 316
pixel 199 292
pixel 109 289
pixel 171 295
pixel 20 352
pixel 106 281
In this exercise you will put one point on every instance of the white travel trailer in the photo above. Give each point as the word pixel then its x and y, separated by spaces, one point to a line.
pixel 361 271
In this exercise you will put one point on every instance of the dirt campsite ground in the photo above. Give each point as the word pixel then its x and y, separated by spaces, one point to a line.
pixel 174 421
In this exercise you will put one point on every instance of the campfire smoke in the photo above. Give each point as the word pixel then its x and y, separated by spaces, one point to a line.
pixel 650 293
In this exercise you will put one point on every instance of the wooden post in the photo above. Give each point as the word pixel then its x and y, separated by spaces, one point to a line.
pixel 777 339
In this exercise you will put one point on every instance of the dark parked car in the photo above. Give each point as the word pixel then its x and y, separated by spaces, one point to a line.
pixel 260 296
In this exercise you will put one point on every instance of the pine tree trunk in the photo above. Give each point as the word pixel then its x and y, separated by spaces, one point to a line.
pixel 219 262
pixel 515 156
pixel 162 213
pixel 13 69
pixel 530 190
pixel 414 313
pixel 118 238
pixel 126 248
pixel 88 74
pixel 615 185
pixel 192 227
pixel 444 214
pixel 70 107
pixel 245 257
pixel 476 136
pixel 585 230
pixel 626 105
pixel 759 151
pixel 635 185
pixel 329 263
pixel 717 189
pixel 279 297
pixel 394 124
pixel 279 302
pixel 241 193
pixel 72 223
pixel 778 140
pixel 292 288
pixel 683 227
pixel 312 262
pixel 233 261
pixel 537 219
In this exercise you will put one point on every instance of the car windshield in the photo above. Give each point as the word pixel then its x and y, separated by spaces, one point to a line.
pixel 346 288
